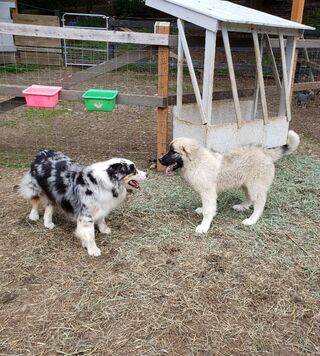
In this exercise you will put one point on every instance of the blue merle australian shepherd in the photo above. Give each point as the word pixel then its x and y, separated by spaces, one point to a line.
pixel 86 193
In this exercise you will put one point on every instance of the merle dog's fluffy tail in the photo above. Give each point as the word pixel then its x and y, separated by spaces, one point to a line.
pixel 292 144
pixel 29 187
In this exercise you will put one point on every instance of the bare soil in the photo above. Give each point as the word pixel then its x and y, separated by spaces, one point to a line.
pixel 158 288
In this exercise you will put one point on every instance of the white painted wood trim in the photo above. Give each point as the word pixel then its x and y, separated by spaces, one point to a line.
pixel 84 34
pixel 257 88
pixel 273 63
pixel 180 75
pixel 260 76
pixel 306 54
pixel 290 53
pixel 284 99
pixel 208 72
pixel 191 71
pixel 183 13
pixel 248 28
pixel 232 76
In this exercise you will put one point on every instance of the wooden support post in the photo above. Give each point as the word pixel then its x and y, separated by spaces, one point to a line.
pixel 287 60
pixel 208 74
pixel 182 37
pixel 297 16
pixel 260 76
pixel 232 76
pixel 273 62
pixel 163 90
pixel 180 76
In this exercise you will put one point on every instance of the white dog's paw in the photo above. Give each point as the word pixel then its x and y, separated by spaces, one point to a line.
pixel 94 251
pixel 199 210
pixel 34 215
pixel 105 229
pixel 49 225
pixel 240 207
pixel 248 222
pixel 200 229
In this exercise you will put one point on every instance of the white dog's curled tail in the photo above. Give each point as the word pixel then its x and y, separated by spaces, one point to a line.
pixel 29 187
pixel 292 144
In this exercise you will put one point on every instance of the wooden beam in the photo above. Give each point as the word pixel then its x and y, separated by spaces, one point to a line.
pixel 232 76
pixel 311 64
pixel 273 62
pixel 285 95
pixel 85 34
pixel 107 66
pixel 180 75
pixel 297 16
pixel 260 76
pixel 208 73
pixel 301 43
pixel 163 90
pixel 192 73
pixel 11 104
pixel 76 95
pixel 287 58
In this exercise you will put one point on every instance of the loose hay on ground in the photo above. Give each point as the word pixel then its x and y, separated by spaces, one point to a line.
pixel 159 288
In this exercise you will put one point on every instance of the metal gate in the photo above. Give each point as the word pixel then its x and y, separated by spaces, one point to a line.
pixel 85 53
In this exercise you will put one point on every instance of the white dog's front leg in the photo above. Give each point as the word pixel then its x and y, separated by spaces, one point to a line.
pixel 209 210
pixel 85 232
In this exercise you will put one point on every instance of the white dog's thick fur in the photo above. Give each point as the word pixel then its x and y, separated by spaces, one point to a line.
pixel 86 193
pixel 249 167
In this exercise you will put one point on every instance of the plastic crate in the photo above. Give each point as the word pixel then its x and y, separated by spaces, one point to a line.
pixel 42 96
pixel 100 99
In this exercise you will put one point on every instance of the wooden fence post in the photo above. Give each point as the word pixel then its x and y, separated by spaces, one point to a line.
pixel 297 16
pixel 163 90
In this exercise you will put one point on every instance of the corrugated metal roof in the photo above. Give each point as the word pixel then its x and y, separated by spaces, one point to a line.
pixel 229 12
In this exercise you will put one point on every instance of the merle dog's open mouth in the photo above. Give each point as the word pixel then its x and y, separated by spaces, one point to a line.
pixel 134 184
pixel 170 169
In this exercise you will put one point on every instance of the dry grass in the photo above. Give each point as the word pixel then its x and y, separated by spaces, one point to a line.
pixel 160 289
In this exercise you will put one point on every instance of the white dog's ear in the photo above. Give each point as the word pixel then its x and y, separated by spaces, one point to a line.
pixel 191 150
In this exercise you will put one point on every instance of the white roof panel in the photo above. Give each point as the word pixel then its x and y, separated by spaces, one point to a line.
pixel 226 11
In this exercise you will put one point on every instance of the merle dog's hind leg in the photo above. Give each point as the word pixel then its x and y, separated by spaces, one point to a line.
pixel 34 214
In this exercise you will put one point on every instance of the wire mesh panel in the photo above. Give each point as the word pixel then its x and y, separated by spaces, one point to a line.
pixel 85 53
pixel 128 131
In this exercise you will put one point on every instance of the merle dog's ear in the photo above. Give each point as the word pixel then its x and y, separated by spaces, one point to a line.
pixel 132 168
pixel 120 170
pixel 116 170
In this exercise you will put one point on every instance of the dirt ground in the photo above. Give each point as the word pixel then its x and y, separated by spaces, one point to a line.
pixel 158 288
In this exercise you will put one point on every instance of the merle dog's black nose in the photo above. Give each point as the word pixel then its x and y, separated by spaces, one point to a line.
pixel 160 160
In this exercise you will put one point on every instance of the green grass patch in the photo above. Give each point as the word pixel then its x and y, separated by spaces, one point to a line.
pixel 8 123
pixel 20 68
pixel 16 160
pixel 43 114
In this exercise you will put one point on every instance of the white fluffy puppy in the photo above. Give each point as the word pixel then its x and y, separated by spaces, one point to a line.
pixel 249 167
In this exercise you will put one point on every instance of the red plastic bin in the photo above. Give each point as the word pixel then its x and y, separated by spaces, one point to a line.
pixel 42 96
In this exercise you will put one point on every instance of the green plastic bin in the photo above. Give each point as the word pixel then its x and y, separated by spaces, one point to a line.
pixel 100 99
